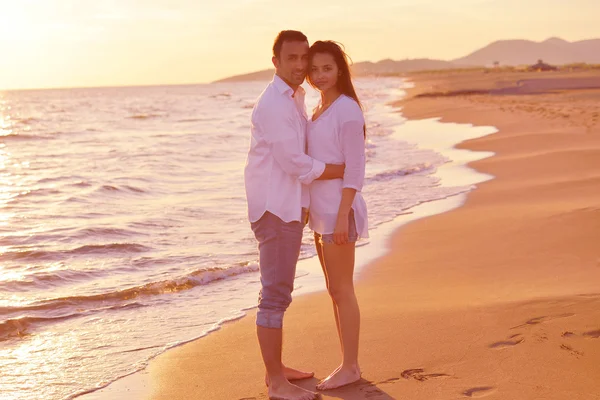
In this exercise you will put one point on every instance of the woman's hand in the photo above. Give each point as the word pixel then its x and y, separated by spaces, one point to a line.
pixel 340 234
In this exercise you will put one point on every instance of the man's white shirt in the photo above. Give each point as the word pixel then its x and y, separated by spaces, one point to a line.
pixel 277 167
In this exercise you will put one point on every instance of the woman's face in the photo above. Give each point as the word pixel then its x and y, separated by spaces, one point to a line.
pixel 324 71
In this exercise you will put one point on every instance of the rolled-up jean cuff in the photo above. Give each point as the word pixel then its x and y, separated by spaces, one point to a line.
pixel 269 319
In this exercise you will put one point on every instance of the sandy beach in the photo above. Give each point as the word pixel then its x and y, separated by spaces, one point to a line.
pixel 134 147
pixel 499 298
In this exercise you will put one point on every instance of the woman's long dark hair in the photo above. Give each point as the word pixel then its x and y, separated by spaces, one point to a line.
pixel 344 81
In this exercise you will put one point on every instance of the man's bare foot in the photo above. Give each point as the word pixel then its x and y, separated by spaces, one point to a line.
pixel 340 377
pixel 288 391
pixel 292 374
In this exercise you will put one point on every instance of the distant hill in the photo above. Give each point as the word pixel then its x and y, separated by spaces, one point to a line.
pixel 264 75
pixel 554 51
pixel 365 68
pixel 519 52
pixel 388 66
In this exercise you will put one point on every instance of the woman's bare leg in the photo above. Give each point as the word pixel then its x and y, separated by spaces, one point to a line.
pixel 319 248
pixel 339 267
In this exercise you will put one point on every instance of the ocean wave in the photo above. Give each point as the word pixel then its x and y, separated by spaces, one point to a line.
pixel 112 247
pixel 37 192
pixel 26 121
pixel 54 179
pixel 189 281
pixel 45 279
pixel 22 136
pixel 23 326
pixel 123 188
pixel 378 129
pixel 20 327
pixel 395 173
pixel 144 116
pixel 39 255
pixel 100 232
pixel 223 95
pixel 81 184
pixel 193 119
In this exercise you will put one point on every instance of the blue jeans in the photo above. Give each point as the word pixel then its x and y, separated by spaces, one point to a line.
pixel 279 248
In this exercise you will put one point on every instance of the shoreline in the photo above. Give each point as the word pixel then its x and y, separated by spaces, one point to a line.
pixel 484 300
pixel 456 172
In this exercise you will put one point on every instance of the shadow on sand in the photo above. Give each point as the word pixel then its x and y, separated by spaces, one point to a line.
pixel 363 389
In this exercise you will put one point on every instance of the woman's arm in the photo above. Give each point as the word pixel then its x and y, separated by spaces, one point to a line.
pixel 353 147
pixel 340 234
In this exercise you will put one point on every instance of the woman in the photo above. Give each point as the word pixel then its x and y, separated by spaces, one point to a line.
pixel 338 213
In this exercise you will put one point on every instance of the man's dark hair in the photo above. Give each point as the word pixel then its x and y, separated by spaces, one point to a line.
pixel 287 36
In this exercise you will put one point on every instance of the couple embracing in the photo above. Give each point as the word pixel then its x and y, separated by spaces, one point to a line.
pixel 306 169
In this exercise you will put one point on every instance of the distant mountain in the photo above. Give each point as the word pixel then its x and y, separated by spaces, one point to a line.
pixel 365 68
pixel 264 75
pixel 555 51
pixel 388 66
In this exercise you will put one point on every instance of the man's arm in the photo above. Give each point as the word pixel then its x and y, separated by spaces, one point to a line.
pixel 278 128
pixel 280 132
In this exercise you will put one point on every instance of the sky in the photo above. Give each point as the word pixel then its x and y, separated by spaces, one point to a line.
pixel 74 43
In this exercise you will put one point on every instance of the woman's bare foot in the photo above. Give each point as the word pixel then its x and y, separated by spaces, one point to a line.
pixel 292 374
pixel 285 390
pixel 340 377
pixel 331 374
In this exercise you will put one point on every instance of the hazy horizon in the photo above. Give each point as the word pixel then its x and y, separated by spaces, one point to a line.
pixel 68 43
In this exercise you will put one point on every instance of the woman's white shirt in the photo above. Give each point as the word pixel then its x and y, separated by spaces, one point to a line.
pixel 337 137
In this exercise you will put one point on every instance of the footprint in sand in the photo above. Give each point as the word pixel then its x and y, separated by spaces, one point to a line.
pixel 419 375
pixel 571 350
pixel 512 341
pixel 545 318
pixel 478 392
pixel 371 391
pixel 391 380
pixel 593 334
pixel 541 338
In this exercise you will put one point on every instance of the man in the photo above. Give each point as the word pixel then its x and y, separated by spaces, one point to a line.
pixel 276 171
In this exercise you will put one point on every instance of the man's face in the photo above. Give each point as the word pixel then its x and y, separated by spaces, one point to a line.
pixel 292 62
